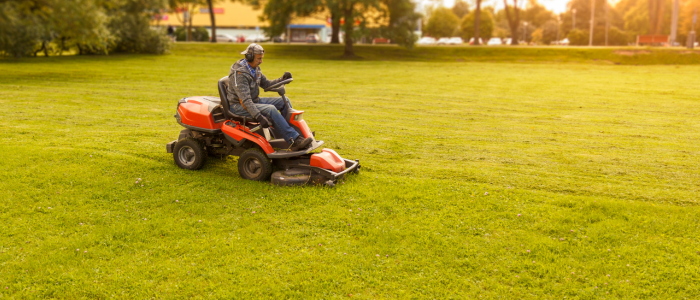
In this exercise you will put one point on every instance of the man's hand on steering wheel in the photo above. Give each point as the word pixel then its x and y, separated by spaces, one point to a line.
pixel 263 121
pixel 286 76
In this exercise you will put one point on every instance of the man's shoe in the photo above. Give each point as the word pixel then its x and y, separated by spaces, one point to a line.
pixel 301 143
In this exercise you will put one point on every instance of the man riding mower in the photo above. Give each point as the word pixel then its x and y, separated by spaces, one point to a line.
pixel 239 122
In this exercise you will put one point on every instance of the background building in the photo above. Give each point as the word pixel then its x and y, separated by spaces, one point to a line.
pixel 237 19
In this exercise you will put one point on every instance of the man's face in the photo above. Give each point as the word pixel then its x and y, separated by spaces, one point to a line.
pixel 257 61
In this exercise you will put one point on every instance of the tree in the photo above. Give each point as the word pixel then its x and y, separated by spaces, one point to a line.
pixel 656 15
pixel 93 26
pixel 477 21
pixel 30 27
pixel 334 9
pixel 468 27
pixel 536 14
pixel 583 15
pixel 648 17
pixel 460 9
pixel 213 20
pixel 578 37
pixel 513 20
pixel 83 24
pixel 130 22
pixel 686 24
pixel 350 10
pixel 188 7
pixel 442 23
pixel 402 22
pixel 501 25
pixel 546 33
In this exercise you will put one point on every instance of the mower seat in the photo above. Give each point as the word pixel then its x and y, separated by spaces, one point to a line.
pixel 223 88
pixel 250 122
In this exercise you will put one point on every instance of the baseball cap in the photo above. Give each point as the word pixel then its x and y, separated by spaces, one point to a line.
pixel 253 48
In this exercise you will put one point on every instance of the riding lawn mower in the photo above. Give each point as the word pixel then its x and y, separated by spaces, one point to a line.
pixel 211 129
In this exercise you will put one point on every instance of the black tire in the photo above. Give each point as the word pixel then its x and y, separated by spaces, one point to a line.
pixel 189 154
pixel 253 164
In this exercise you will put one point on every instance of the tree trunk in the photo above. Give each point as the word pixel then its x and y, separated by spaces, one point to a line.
pixel 513 22
pixel 189 28
pixel 335 27
pixel 656 16
pixel 46 50
pixel 477 20
pixel 63 46
pixel 213 21
pixel 651 14
pixel 659 16
pixel 349 52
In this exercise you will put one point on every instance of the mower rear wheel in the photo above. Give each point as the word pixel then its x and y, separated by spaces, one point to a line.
pixel 189 154
pixel 253 164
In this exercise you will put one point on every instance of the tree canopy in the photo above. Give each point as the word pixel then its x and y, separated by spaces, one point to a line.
pixel 442 23
pixel 461 9
pixel 485 25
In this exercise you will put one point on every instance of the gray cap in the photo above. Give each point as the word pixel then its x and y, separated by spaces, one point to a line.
pixel 253 48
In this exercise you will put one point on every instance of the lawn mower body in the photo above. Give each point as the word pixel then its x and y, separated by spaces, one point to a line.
pixel 212 130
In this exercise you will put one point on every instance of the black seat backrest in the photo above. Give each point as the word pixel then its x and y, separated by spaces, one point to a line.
pixel 223 92
pixel 226 105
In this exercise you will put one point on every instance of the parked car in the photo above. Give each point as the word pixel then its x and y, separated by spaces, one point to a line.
pixel 507 41
pixel 256 38
pixel 471 41
pixel 426 40
pixel 225 38
pixel 443 41
pixel 376 41
pixel 455 41
pixel 277 39
pixel 494 41
pixel 564 42
pixel 312 38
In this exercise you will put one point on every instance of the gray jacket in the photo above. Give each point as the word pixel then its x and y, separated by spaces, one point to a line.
pixel 243 89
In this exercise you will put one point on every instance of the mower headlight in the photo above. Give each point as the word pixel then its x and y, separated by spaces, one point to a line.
pixel 297 117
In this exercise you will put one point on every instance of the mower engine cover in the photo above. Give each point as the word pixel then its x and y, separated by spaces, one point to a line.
pixel 329 160
pixel 200 113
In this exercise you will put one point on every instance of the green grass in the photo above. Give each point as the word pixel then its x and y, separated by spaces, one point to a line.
pixel 479 179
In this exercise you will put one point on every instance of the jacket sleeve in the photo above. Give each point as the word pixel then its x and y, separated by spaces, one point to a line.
pixel 241 84
pixel 264 83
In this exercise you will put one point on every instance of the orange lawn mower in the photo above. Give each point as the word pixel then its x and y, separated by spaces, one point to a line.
pixel 211 129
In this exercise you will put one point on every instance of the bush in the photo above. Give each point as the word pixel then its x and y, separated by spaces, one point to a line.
pixel 134 35
pixel 616 37
pixel 92 26
pixel 199 34
pixel 578 37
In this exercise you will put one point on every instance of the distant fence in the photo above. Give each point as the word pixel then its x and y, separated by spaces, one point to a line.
pixel 652 40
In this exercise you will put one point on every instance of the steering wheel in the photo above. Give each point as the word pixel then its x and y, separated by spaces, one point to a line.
pixel 277 87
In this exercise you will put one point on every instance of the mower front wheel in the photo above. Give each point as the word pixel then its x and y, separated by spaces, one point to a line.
pixel 253 164
pixel 189 154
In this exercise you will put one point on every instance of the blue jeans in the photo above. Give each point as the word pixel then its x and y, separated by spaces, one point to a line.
pixel 270 107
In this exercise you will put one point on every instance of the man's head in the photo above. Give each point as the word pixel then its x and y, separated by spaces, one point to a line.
pixel 254 55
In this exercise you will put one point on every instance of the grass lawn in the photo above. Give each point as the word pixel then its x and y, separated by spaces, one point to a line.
pixel 479 179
